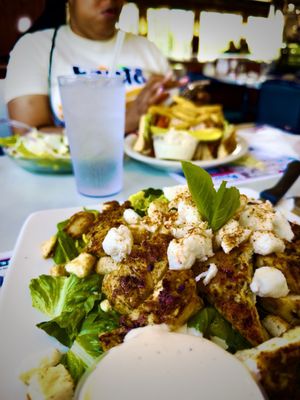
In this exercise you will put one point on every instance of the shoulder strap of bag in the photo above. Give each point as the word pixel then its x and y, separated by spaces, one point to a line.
pixel 53 41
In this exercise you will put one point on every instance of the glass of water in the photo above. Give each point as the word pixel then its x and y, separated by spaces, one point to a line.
pixel 94 112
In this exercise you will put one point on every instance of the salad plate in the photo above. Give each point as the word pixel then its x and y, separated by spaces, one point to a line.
pixel 21 342
pixel 20 339
pixel 43 165
pixel 172 166
pixel 38 152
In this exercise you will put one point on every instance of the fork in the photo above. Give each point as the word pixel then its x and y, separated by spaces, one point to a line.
pixel 275 193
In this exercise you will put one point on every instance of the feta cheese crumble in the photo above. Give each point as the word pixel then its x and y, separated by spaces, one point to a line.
pixel 269 282
pixel 131 217
pixel 171 192
pixel 183 252
pixel 265 242
pixel 258 216
pixel 208 275
pixel 282 227
pixel 231 235
pixel 118 243
pixel 188 214
pixel 156 211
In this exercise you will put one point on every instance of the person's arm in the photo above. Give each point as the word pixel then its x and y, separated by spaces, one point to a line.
pixel 33 110
pixel 26 82
pixel 154 92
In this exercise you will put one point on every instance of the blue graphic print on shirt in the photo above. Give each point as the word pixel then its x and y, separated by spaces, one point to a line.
pixel 133 76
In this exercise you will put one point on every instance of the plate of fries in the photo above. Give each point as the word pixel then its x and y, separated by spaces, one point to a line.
pixel 184 130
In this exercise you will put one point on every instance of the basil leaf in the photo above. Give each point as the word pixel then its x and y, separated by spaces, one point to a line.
pixel 227 201
pixel 201 187
pixel 215 207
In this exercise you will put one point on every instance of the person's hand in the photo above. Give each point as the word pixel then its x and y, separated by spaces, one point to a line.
pixel 155 91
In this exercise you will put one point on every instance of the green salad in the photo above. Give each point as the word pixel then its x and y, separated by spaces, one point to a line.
pixel 38 151
pixel 77 308
pixel 36 144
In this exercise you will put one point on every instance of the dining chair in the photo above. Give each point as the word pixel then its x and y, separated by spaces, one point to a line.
pixel 279 105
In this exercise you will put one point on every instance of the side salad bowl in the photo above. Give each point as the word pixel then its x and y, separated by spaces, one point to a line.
pixel 36 151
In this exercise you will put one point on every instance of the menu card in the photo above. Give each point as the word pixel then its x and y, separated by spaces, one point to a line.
pixel 270 150
pixel 265 167
pixel 4 262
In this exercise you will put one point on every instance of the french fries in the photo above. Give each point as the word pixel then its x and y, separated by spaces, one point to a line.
pixel 184 114
pixel 206 123
pixel 133 93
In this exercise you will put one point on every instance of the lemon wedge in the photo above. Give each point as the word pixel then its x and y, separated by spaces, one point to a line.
pixel 207 134
pixel 157 130
pixel 203 135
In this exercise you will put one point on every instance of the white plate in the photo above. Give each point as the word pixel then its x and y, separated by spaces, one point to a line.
pixel 20 339
pixel 21 342
pixel 168 165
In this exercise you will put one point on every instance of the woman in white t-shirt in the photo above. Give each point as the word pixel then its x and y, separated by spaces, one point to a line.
pixel 84 45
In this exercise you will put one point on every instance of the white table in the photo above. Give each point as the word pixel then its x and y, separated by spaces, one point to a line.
pixel 23 193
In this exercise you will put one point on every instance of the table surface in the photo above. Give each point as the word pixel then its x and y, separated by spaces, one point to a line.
pixel 23 193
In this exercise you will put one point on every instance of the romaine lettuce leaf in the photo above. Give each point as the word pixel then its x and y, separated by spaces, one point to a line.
pixel 67 300
pixel 66 248
pixel 86 349
pixel 141 200
pixel 96 323
pixel 66 327
pixel 74 365
pixel 56 295
pixel 211 323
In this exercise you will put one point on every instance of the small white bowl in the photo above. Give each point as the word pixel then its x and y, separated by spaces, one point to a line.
pixel 174 145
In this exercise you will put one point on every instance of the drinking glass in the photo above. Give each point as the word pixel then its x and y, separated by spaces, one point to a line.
pixel 94 114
